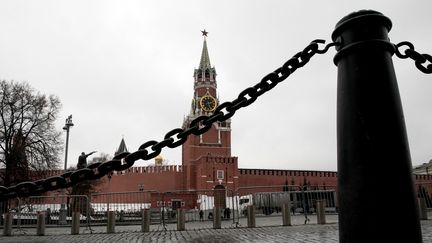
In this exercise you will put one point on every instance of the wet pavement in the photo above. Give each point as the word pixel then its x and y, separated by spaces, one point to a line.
pixel 296 234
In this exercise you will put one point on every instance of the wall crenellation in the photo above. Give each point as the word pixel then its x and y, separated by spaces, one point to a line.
pixel 267 172
pixel 153 169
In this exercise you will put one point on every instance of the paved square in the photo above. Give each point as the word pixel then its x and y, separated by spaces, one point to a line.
pixel 311 233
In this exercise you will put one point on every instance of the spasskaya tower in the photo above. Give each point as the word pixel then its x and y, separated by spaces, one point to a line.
pixel 207 157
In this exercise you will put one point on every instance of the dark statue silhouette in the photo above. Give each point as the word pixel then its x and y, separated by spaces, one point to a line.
pixel 82 160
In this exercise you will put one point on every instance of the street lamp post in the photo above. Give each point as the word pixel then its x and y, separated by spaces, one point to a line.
pixel 63 211
pixel 66 127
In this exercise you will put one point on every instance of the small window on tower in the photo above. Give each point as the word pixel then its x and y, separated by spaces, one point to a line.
pixel 220 174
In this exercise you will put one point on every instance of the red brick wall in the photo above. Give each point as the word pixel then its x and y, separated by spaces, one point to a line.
pixel 207 169
pixel 160 178
pixel 194 148
pixel 211 136
pixel 260 177
pixel 170 178
pixel 203 90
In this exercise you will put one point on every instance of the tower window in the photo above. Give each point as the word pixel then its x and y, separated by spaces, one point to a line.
pixel 220 174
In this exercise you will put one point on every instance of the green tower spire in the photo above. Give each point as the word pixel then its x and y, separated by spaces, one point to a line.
pixel 205 59
pixel 205 72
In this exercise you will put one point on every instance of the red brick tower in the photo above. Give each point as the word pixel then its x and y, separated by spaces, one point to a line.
pixel 207 157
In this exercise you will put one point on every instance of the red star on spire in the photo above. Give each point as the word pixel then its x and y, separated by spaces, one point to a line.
pixel 204 32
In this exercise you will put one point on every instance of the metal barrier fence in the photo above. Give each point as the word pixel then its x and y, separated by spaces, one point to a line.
pixel 57 211
pixel 186 209
pixel 196 205
pixel 424 190
pixel 424 197
pixel 268 203
pixel 199 207
pixel 127 207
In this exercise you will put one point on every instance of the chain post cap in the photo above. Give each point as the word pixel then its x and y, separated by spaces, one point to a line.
pixel 361 16
pixel 364 28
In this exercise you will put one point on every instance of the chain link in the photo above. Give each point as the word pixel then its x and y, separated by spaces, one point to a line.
pixel 173 138
pixel 405 49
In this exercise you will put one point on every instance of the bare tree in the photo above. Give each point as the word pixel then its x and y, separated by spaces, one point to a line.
pixel 29 142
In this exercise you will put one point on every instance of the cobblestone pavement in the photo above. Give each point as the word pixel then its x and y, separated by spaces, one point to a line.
pixel 297 234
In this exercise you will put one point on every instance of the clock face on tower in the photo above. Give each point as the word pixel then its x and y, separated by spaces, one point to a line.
pixel 208 103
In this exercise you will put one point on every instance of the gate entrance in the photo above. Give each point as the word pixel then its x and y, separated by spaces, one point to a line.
pixel 175 204
pixel 220 196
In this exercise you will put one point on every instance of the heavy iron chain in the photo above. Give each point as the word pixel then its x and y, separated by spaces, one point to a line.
pixel 420 59
pixel 173 138
pixel 198 126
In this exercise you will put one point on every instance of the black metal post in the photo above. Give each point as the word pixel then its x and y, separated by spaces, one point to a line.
pixel 375 182
pixel 67 126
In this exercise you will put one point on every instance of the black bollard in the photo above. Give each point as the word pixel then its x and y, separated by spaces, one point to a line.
pixel 376 190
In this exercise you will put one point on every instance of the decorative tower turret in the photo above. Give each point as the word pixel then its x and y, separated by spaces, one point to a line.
pixel 204 100
pixel 122 148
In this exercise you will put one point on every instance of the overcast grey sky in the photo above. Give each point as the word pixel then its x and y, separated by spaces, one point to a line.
pixel 124 68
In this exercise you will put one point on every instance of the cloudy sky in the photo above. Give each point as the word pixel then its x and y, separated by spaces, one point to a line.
pixel 124 69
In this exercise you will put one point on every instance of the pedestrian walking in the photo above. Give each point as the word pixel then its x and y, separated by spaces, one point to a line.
pixel 201 215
